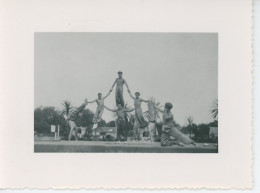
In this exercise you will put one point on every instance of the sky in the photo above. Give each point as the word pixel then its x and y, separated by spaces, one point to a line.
pixel 181 68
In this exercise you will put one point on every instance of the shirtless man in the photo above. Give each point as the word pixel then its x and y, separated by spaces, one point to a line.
pixel 100 108
pixel 140 123
pixel 119 82
pixel 120 122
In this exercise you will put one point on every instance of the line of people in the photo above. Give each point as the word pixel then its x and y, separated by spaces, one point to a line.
pixel 170 135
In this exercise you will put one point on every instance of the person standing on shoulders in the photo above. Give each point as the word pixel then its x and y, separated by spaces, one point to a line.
pixel 119 82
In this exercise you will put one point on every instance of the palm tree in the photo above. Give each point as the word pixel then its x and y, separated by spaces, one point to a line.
pixel 214 110
pixel 67 107
pixel 190 122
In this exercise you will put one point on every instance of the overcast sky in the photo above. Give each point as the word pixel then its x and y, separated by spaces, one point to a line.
pixel 181 68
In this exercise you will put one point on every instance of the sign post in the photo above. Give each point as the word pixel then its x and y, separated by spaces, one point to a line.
pixel 58 132
pixel 53 128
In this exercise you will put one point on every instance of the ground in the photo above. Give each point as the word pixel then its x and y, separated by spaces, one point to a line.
pixel 119 147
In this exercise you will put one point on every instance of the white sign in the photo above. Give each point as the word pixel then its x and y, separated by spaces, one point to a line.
pixel 53 128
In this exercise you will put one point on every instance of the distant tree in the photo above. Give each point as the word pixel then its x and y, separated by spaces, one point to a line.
pixel 185 130
pixel 44 117
pixel 203 131
pixel 189 129
pixel 214 110
pixel 102 123
pixel 111 124
pixel 86 119
pixel 190 122
pixel 213 124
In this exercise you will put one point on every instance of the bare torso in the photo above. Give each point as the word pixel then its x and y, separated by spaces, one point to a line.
pixel 121 113
pixel 138 102
pixel 120 82
pixel 100 103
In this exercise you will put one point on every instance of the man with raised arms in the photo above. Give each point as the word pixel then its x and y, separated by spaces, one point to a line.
pixel 119 82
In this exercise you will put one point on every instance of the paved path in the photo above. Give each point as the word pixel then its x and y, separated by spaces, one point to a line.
pixel 119 147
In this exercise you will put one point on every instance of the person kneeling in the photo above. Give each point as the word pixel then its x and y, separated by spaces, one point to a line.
pixel 170 132
pixel 167 139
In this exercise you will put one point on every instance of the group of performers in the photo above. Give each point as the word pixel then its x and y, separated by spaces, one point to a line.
pixel 171 135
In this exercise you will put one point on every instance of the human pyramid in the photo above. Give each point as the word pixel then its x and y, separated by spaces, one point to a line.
pixel 170 135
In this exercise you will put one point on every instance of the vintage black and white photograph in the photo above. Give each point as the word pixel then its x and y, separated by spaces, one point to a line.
pixel 125 92
pixel 114 95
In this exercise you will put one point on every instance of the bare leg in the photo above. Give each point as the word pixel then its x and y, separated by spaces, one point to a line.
pixel 71 130
pixel 136 132
pixel 119 96
pixel 151 130
pixel 72 126
pixel 83 131
pixel 98 115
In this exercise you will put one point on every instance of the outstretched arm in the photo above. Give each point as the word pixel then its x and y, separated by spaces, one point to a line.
pixel 113 85
pixel 146 101
pixel 109 109
pixel 126 84
pixel 92 101
pixel 130 94
pixel 130 110
pixel 107 94
pixel 160 110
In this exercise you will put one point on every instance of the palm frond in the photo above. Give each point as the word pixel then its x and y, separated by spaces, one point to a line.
pixel 127 114
pixel 67 108
pixel 214 110
pixel 152 110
